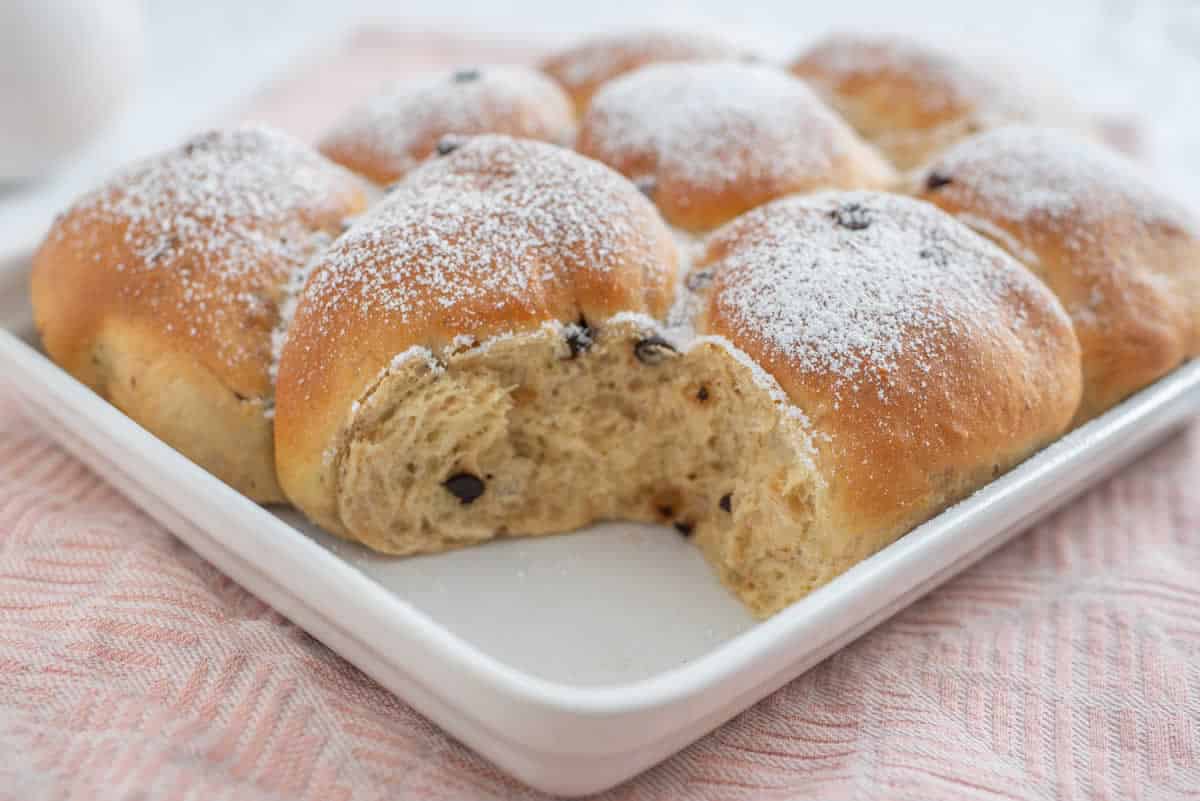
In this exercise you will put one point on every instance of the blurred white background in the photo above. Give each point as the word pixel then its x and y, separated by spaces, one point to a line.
pixel 1119 56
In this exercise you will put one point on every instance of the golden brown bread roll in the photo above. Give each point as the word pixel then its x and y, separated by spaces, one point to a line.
pixel 404 124
pixel 588 65
pixel 912 100
pixel 1122 256
pixel 501 236
pixel 709 141
pixel 162 290
pixel 485 354
pixel 924 361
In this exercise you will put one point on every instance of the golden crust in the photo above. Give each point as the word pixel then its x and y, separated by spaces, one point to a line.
pixel 500 236
pixel 173 273
pixel 585 67
pixel 710 141
pixel 1123 257
pixel 395 130
pixel 913 100
pixel 926 360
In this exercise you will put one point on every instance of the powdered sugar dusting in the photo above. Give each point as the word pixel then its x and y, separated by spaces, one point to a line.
pixel 399 126
pixel 497 224
pixel 1001 237
pixel 215 225
pixel 944 80
pixel 714 124
pixel 291 298
pixel 605 57
pixel 846 285
pixel 1016 173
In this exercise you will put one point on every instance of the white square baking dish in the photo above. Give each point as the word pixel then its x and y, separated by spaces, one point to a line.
pixel 572 662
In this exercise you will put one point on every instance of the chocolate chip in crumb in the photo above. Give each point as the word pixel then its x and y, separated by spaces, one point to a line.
pixel 937 180
pixel 853 216
pixel 726 502
pixel 702 395
pixel 447 145
pixel 653 350
pixel 580 337
pixel 665 511
pixel 464 486
pixel 685 528
pixel 466 75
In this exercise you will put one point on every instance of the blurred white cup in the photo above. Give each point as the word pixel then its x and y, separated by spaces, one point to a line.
pixel 66 68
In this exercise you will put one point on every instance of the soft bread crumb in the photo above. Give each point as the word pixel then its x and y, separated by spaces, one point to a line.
pixel 687 439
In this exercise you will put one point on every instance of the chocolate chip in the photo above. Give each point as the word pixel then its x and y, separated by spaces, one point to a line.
pixel 726 502
pixel 854 216
pixel 665 511
pixel 465 487
pixel 448 144
pixel 684 528
pixel 698 280
pixel 202 142
pixel 702 395
pixel 466 76
pixel 935 254
pixel 647 185
pixel 653 350
pixel 579 337
pixel 936 180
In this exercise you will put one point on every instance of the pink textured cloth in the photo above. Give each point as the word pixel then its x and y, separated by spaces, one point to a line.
pixel 1065 666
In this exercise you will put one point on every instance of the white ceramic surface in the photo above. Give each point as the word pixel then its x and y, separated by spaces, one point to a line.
pixel 572 662
pixel 66 67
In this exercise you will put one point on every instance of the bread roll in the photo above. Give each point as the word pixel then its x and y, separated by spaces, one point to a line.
pixel 163 289
pixel 500 238
pixel 487 354
pixel 912 100
pixel 709 141
pixel 410 120
pixel 585 67
pixel 1122 256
